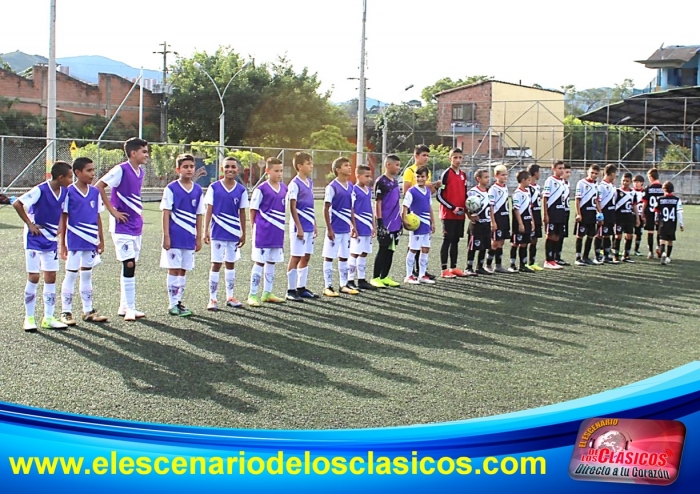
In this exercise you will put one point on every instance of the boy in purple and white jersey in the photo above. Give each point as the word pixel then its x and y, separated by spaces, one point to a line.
pixel 126 221
pixel 42 218
pixel 267 215
pixel 183 207
pixel 224 228
pixel 363 222
pixel 302 228
pixel 418 201
pixel 82 241
pixel 337 212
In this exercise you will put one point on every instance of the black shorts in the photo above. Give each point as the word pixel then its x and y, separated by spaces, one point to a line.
pixel 624 228
pixel 606 229
pixel 556 229
pixel 452 229
pixel 522 238
pixel 587 229
pixel 565 230
pixel 650 222
pixel 667 233
pixel 537 232
pixel 502 229
pixel 479 236
pixel 391 240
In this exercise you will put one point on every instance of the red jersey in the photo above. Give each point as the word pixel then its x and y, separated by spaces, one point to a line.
pixel 452 194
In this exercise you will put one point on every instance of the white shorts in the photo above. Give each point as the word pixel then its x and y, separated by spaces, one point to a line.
pixel 38 261
pixel 271 255
pixel 223 251
pixel 338 248
pixel 177 259
pixel 301 247
pixel 82 259
pixel 416 242
pixel 127 246
pixel 361 245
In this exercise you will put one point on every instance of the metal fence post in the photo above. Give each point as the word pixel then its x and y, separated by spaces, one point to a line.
pixel 2 162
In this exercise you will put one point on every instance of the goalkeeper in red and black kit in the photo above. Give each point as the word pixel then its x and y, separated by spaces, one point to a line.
pixel 452 196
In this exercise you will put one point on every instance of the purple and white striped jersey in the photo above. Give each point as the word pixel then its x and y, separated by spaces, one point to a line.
pixel 184 206
pixel 340 199
pixel 44 208
pixel 268 230
pixel 83 211
pixel 126 197
pixel 419 201
pixel 362 205
pixel 304 195
pixel 226 210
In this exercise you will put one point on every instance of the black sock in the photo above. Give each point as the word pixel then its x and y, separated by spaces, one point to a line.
pixel 650 241
pixel 380 261
pixel 628 246
pixel 444 251
pixel 637 243
pixel 453 252
pixel 616 248
pixel 499 256
pixel 489 258
pixel 606 245
pixel 513 253
pixel 533 253
pixel 416 265
pixel 389 258
pixel 663 249
pixel 522 250
pixel 598 245
pixel 579 246
pixel 560 248
pixel 587 248
pixel 480 259
pixel 669 248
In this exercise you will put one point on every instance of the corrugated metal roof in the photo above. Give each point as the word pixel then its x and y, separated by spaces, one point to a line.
pixel 493 80
pixel 670 56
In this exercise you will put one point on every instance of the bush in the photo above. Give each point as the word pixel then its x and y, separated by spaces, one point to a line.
pixel 676 157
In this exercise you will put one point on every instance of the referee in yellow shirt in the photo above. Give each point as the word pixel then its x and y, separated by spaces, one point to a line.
pixel 421 157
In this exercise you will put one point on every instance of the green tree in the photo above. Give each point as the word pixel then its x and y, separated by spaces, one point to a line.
pixel 329 137
pixel 580 102
pixel 429 93
pixel 676 157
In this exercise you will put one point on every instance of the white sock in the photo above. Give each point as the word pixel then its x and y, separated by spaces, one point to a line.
pixel 423 267
pixel 129 292
pixel 172 282
pixel 86 290
pixel 122 294
pixel 255 278
pixel 292 279
pixel 230 277
pixel 302 277
pixel 410 262
pixel 30 298
pixel 361 267
pixel 181 288
pixel 343 270
pixel 269 277
pixel 67 289
pixel 352 268
pixel 213 284
pixel 49 299
pixel 328 273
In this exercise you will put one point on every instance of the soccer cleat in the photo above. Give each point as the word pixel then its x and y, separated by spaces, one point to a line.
pixel 348 290
pixel 431 276
pixel 351 284
pixel 213 306
pixel 658 253
pixel 390 283
pixel 535 267
pixel 668 260
pixel 426 280
pixel 68 319
pixel 580 262
pixel 512 269
pixel 470 272
pixel 94 316
pixel 628 260
pixel 306 293
pixel 637 253
pixel 650 256
pixel 596 261
pixel 458 272
pixel 29 324
pixel 611 260
pixel 232 302
pixel 253 300
pixel 411 280
pixel 173 311
pixel 525 269
pixel 483 270
pixel 131 315
pixel 552 265
pixel 364 285
pixel 271 298
pixel 377 283
pixel 294 296
pixel 329 291
pixel 448 274
pixel 489 269
pixel 137 314
pixel 501 269
pixel 662 261
pixel 52 323
pixel 562 262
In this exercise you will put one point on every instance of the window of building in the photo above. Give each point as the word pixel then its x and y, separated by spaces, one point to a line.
pixel 464 112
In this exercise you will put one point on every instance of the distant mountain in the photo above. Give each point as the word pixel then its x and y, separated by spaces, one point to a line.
pixel 85 68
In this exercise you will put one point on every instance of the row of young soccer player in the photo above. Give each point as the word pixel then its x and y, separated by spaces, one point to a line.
pixel 62 219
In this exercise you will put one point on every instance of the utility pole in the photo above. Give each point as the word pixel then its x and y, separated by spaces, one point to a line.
pixel 166 91
pixel 51 92
pixel 362 100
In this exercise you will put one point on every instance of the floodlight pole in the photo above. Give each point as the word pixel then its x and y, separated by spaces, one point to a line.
pixel 51 96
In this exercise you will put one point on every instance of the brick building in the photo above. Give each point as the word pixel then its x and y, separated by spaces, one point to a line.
pixel 77 98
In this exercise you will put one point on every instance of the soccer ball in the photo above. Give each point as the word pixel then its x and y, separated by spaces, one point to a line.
pixel 474 204
pixel 412 222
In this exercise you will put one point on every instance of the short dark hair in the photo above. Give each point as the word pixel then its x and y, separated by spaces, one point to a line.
pixel 610 169
pixel 423 170
pixel 533 168
pixel 627 175
pixel 421 148
pixel 557 163
pixel 300 158
pixel 653 173
pixel 668 186
pixel 456 151
pixel 362 169
pixel 638 178
pixel 80 163
pixel 133 144
pixel 393 157
pixel 480 172
pixel 59 169
pixel 567 166
pixel 594 167
pixel 231 158
pixel 272 162
pixel 522 175
pixel 181 158
pixel 338 162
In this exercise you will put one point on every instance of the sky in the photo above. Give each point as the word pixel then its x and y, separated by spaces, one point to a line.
pixel 408 42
